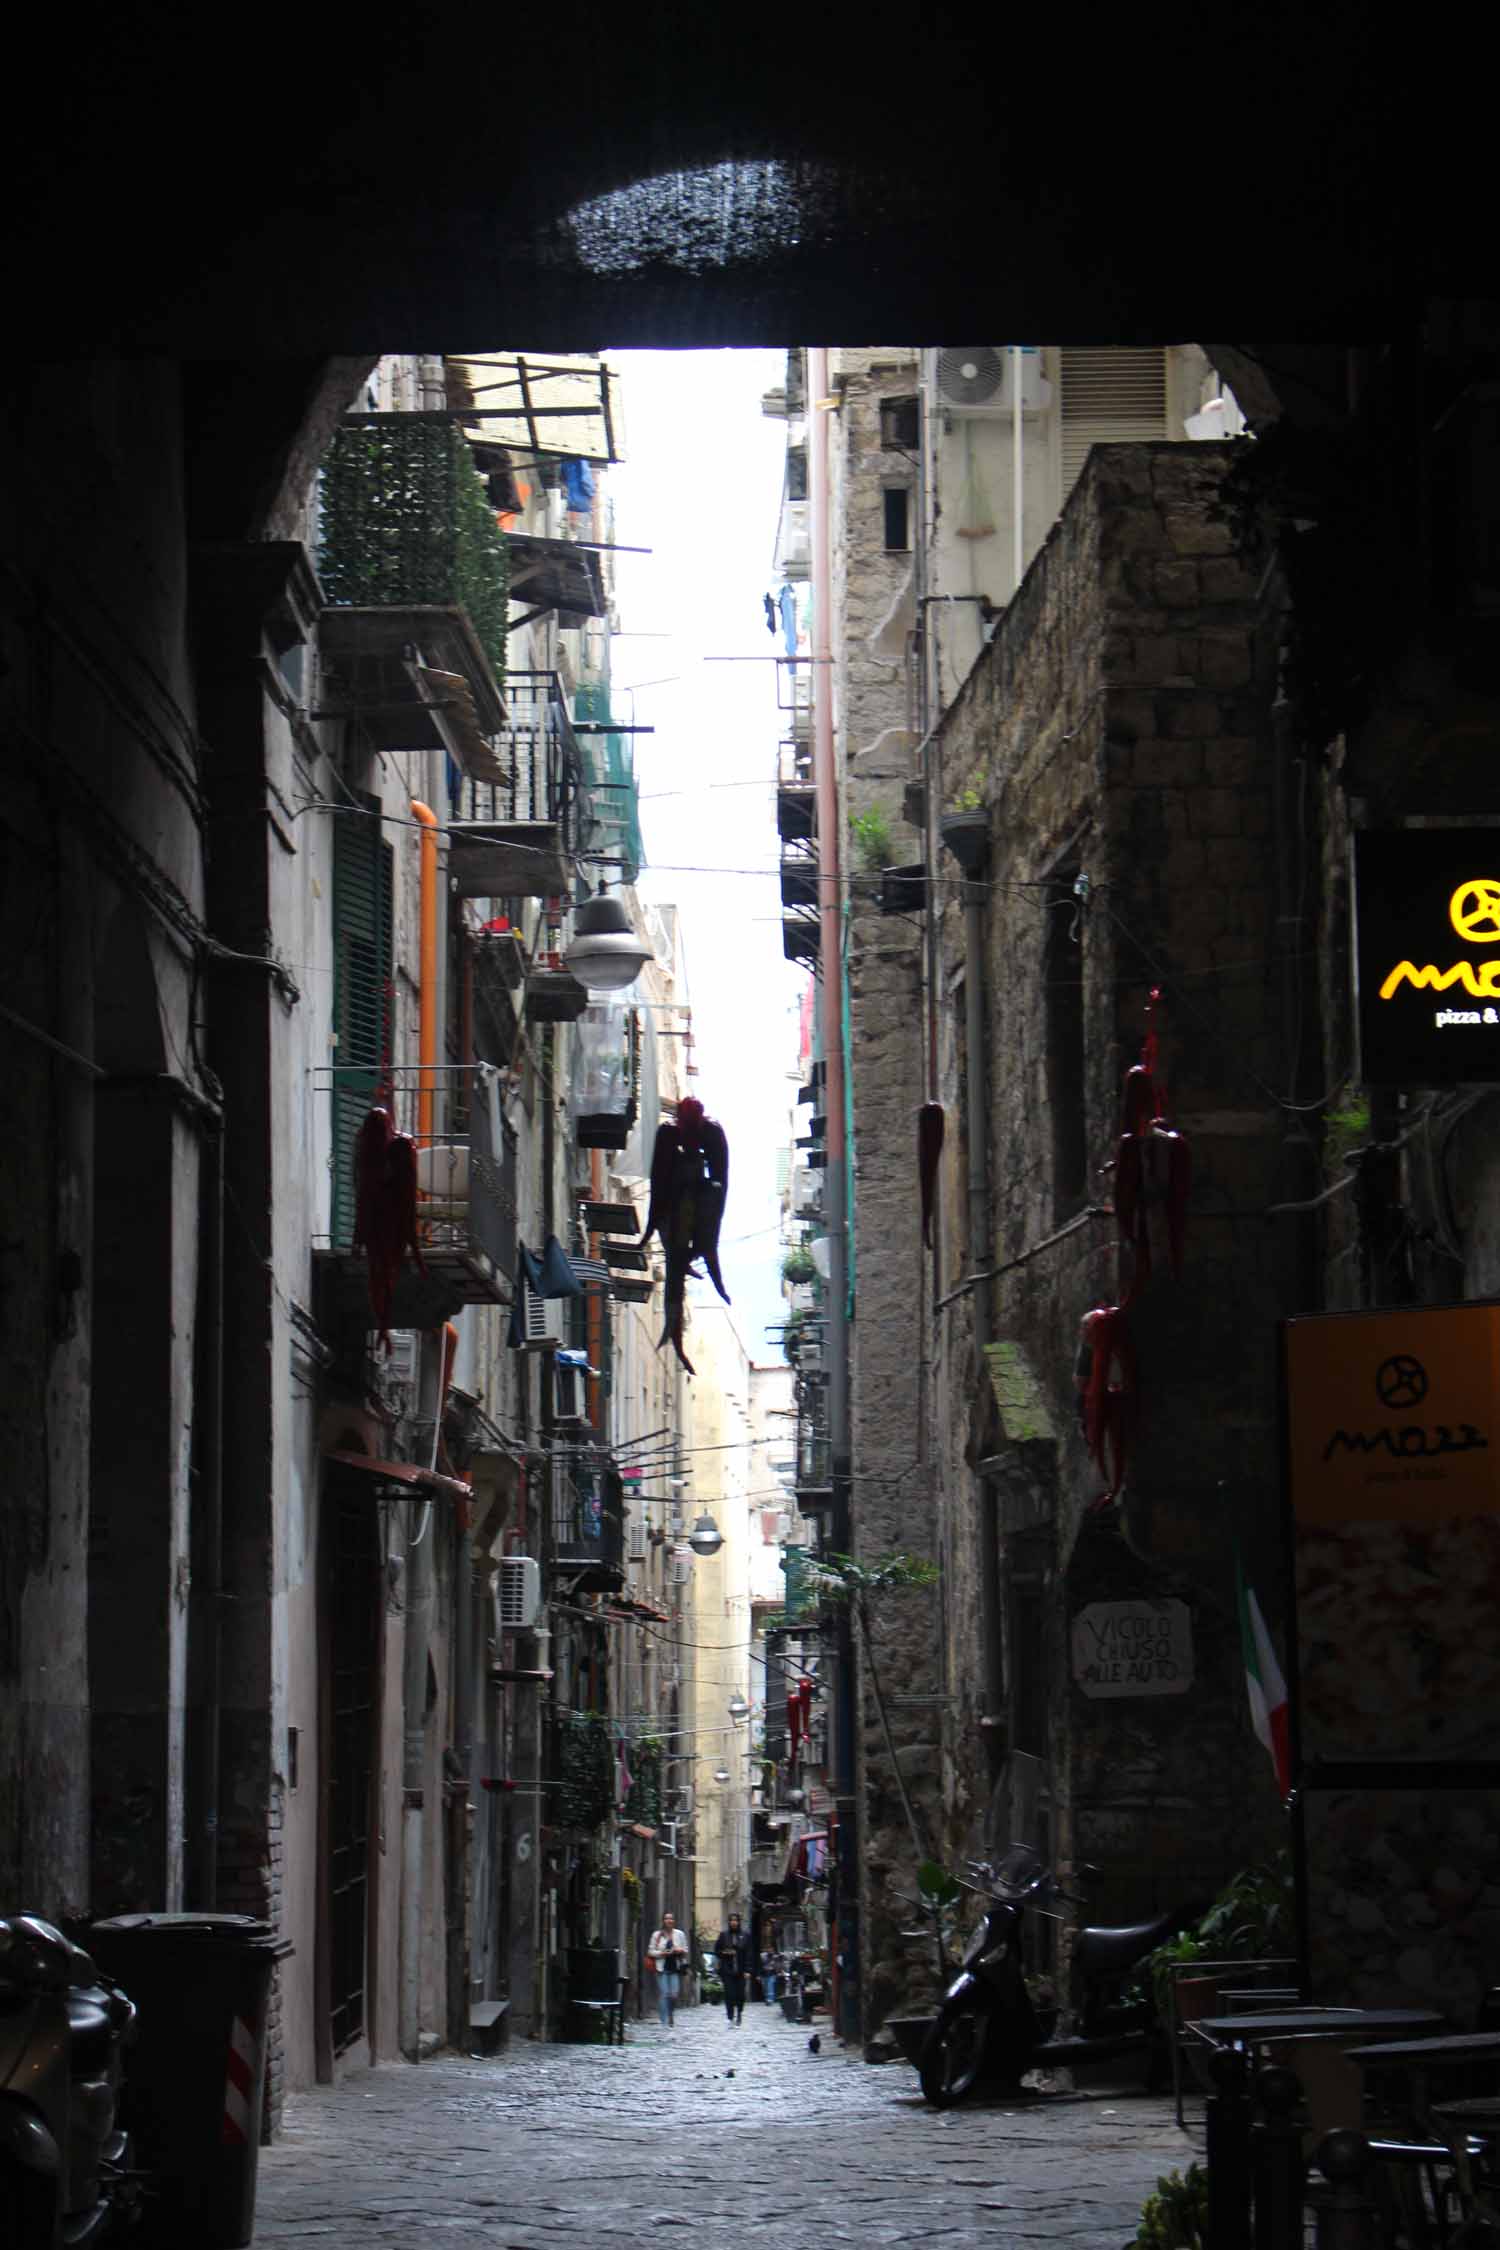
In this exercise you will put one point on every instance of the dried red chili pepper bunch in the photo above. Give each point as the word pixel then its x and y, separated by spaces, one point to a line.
pixel 385 1209
pixel 1153 1178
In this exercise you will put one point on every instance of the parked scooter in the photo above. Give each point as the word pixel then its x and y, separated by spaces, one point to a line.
pixel 987 2026
pixel 63 2158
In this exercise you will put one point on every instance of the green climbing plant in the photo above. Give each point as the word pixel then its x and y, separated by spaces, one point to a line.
pixel 871 832
pixel 586 1770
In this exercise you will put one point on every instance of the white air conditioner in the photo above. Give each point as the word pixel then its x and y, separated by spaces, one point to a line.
pixel 976 379
pixel 680 1565
pixel 637 1545
pixel 518 1594
pixel 541 1320
pixel 807 1194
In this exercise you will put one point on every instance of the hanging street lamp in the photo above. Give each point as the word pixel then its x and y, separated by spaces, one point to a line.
pixel 604 952
pixel 705 1538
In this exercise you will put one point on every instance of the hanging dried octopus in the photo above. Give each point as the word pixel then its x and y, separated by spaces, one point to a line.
pixel 689 1181
pixel 385 1209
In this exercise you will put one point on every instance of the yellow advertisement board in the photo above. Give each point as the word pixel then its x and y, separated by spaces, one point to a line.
pixel 1394 1416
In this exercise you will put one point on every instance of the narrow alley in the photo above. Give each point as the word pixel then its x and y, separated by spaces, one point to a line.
pixel 718 2131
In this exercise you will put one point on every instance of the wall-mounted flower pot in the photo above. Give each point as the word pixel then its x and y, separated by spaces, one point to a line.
pixel 967 836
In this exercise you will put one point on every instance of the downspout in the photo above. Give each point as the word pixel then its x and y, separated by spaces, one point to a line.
pixel 981 1260
pixel 209 1416
pixel 427 970
pixel 830 914
pixel 836 1175
pixel 414 1661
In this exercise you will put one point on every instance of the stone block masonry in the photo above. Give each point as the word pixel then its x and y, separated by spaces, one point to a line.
pixel 1118 728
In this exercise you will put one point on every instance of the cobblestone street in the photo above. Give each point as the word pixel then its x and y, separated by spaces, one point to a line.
pixel 724 2133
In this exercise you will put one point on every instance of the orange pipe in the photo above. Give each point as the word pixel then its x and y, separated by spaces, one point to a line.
pixel 428 971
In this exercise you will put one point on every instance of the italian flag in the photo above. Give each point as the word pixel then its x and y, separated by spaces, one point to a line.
pixel 1266 1687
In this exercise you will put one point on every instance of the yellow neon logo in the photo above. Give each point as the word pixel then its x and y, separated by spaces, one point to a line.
pixel 1474 911
pixel 1482 983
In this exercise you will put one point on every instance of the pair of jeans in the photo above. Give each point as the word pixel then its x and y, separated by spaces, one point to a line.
pixel 668 1987
pixel 770 1984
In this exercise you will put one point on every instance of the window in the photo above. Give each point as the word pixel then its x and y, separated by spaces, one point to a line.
pixel 796 472
pixel 897 499
pixel 899 429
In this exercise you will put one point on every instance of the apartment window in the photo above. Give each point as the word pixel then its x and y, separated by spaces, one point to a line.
pixel 796 472
pixel 897 501
pixel 899 432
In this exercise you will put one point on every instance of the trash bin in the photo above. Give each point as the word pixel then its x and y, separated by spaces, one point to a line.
pixel 195 2076
pixel 593 1972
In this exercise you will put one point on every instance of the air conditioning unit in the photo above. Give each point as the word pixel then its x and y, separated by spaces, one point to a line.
pixel 680 1565
pixel 976 379
pixel 637 1545
pixel 807 1195
pixel 518 1594
pixel 541 1320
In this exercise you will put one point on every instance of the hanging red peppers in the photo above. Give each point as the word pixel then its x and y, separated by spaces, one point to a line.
pixel 385 1209
pixel 1153 1176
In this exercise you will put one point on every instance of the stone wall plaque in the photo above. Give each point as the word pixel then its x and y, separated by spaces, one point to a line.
pixel 1133 1648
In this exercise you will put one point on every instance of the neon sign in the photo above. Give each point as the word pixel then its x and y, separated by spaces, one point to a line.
pixel 1429 955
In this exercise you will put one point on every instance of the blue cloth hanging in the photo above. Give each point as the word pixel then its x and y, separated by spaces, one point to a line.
pixel 578 483
pixel 787 604
pixel 558 1277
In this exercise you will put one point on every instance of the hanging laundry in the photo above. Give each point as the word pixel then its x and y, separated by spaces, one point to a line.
pixel 787 604
pixel 770 610
pixel 578 484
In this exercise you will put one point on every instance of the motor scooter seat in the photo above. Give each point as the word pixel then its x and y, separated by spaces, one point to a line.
pixel 1104 1952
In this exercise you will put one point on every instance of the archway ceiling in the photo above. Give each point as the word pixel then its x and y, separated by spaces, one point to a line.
pixel 260 184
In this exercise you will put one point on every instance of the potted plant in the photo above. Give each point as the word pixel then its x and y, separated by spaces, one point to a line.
pixel 871 832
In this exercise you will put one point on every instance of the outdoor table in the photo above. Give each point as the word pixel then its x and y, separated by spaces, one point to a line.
pixel 1419 2059
pixel 1332 2083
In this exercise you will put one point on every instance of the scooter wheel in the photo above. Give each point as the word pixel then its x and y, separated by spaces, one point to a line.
pixel 954 2055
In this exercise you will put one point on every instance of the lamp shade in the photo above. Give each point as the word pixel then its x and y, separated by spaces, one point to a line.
pixel 738 1708
pixel 604 952
pixel 705 1538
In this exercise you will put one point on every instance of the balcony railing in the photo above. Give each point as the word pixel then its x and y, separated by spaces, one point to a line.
pixel 518 837
pixel 814 1472
pixel 587 1522
pixel 466 1191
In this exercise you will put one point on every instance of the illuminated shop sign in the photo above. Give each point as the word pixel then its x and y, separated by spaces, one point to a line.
pixel 1428 907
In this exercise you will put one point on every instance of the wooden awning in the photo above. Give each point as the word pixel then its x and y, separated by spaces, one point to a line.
pixel 404 1472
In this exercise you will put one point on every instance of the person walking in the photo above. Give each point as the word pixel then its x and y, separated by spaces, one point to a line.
pixel 769 1967
pixel 734 1957
pixel 668 1955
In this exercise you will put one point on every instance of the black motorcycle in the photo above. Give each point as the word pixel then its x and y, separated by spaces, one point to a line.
pixel 64 2161
pixel 987 2027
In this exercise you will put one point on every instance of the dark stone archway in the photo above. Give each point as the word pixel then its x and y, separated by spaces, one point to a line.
pixel 937 173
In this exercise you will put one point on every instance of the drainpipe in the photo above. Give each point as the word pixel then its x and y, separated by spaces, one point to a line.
pixel 836 1176
pixel 831 913
pixel 414 1661
pixel 209 1446
pixel 427 1020
pixel 974 859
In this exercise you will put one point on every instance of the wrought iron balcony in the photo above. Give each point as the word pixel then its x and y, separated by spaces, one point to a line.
pixel 466 1197
pixel 518 837
pixel 813 1480
pixel 587 1522
pixel 796 797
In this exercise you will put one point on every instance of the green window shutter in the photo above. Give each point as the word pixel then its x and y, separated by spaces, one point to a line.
pixel 362 1000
